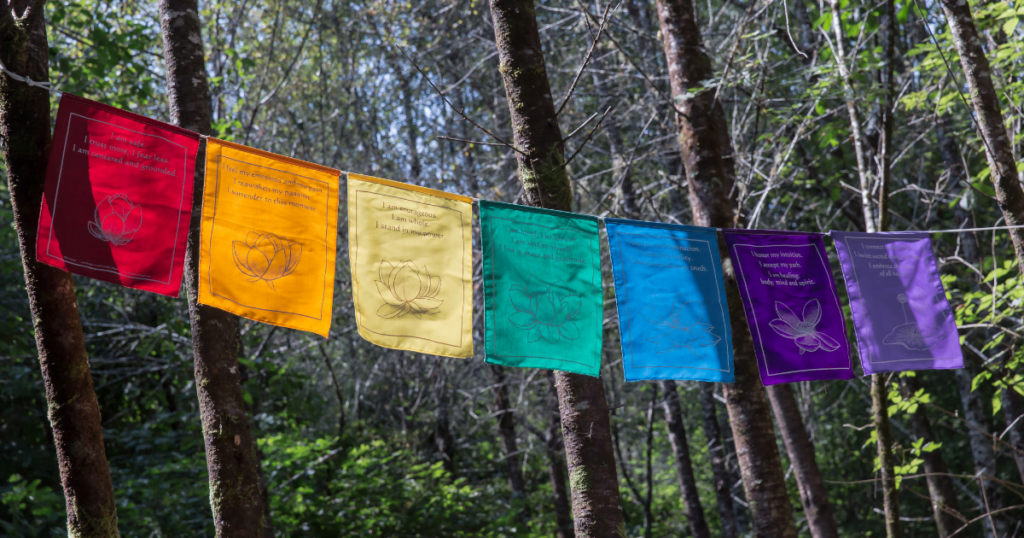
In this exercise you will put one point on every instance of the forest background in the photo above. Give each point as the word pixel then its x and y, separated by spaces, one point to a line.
pixel 358 440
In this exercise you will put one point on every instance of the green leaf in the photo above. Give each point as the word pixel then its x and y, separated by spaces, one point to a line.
pixel 1010 25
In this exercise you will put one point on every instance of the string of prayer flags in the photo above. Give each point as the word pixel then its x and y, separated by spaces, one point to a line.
pixel 118 197
pixel 900 313
pixel 791 304
pixel 269 237
pixel 542 288
pixel 411 250
pixel 670 294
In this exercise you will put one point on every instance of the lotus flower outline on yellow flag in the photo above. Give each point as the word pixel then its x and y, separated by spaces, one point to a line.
pixel 277 268
pixel 411 250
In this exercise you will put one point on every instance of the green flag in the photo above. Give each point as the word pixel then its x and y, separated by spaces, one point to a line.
pixel 542 288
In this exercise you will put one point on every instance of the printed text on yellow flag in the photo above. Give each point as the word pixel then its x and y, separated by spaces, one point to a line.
pixel 269 237
pixel 412 266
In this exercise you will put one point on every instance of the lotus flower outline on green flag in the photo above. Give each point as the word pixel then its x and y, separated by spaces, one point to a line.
pixel 670 295
pixel 542 288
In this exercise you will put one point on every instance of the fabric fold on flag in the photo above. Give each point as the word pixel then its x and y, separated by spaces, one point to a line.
pixel 118 197
pixel 791 304
pixel 269 237
pixel 670 295
pixel 411 250
pixel 901 316
pixel 542 288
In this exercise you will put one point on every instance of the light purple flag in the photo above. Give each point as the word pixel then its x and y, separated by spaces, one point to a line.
pixel 791 305
pixel 899 307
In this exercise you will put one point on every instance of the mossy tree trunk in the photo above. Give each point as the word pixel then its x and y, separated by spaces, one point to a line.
pixel 989 114
pixel 820 520
pixel 684 466
pixel 707 157
pixel 586 425
pixel 230 456
pixel 74 411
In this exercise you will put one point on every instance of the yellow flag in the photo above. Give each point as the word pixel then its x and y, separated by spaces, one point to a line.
pixel 269 237
pixel 412 266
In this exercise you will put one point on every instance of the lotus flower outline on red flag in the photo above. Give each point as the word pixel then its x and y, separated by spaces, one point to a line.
pixel 116 220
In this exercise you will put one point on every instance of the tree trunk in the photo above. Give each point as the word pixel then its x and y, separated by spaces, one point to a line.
pixel 880 416
pixel 234 481
pixel 684 467
pixel 74 411
pixel 1013 409
pixel 716 453
pixel 708 162
pixel 981 448
pixel 584 410
pixel 945 506
pixel 556 467
pixel 820 521
pixel 507 431
pixel 989 116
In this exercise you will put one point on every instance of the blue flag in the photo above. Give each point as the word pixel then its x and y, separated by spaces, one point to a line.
pixel 670 294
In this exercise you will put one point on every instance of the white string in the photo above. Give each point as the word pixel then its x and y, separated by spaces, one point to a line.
pixel 26 80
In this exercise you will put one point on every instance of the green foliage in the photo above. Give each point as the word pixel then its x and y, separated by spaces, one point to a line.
pixel 29 510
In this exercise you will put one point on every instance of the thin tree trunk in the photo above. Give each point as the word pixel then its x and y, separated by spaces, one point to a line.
pixel 981 448
pixel 74 411
pixel 880 416
pixel 507 431
pixel 684 467
pixel 556 467
pixel 716 453
pixel 234 481
pixel 1013 409
pixel 584 410
pixel 945 506
pixel 989 116
pixel 707 160
pixel 820 520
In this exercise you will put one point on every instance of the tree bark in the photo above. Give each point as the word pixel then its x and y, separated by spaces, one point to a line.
pixel 708 163
pixel 982 450
pixel 507 431
pixel 73 409
pixel 684 467
pixel 1013 408
pixel 586 425
pixel 998 148
pixel 716 453
pixel 230 459
pixel 820 520
pixel 556 467
pixel 945 506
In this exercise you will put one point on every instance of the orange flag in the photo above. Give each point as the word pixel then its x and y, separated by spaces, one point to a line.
pixel 269 237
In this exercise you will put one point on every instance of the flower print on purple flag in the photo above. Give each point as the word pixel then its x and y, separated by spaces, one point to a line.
pixel 545 312
pixel 911 335
pixel 673 331
pixel 803 331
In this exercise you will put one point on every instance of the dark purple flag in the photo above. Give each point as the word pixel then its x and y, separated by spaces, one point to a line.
pixel 791 305
pixel 899 307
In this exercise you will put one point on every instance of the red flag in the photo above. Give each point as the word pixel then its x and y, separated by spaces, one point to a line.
pixel 118 197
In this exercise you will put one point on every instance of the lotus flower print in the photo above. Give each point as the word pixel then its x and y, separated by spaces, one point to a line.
pixel 116 220
pixel 673 330
pixel 909 334
pixel 407 289
pixel 803 331
pixel 266 257
pixel 546 312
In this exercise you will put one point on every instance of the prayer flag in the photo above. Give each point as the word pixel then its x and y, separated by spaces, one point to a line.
pixel 900 314
pixel 269 237
pixel 670 294
pixel 542 288
pixel 791 304
pixel 412 266
pixel 118 197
